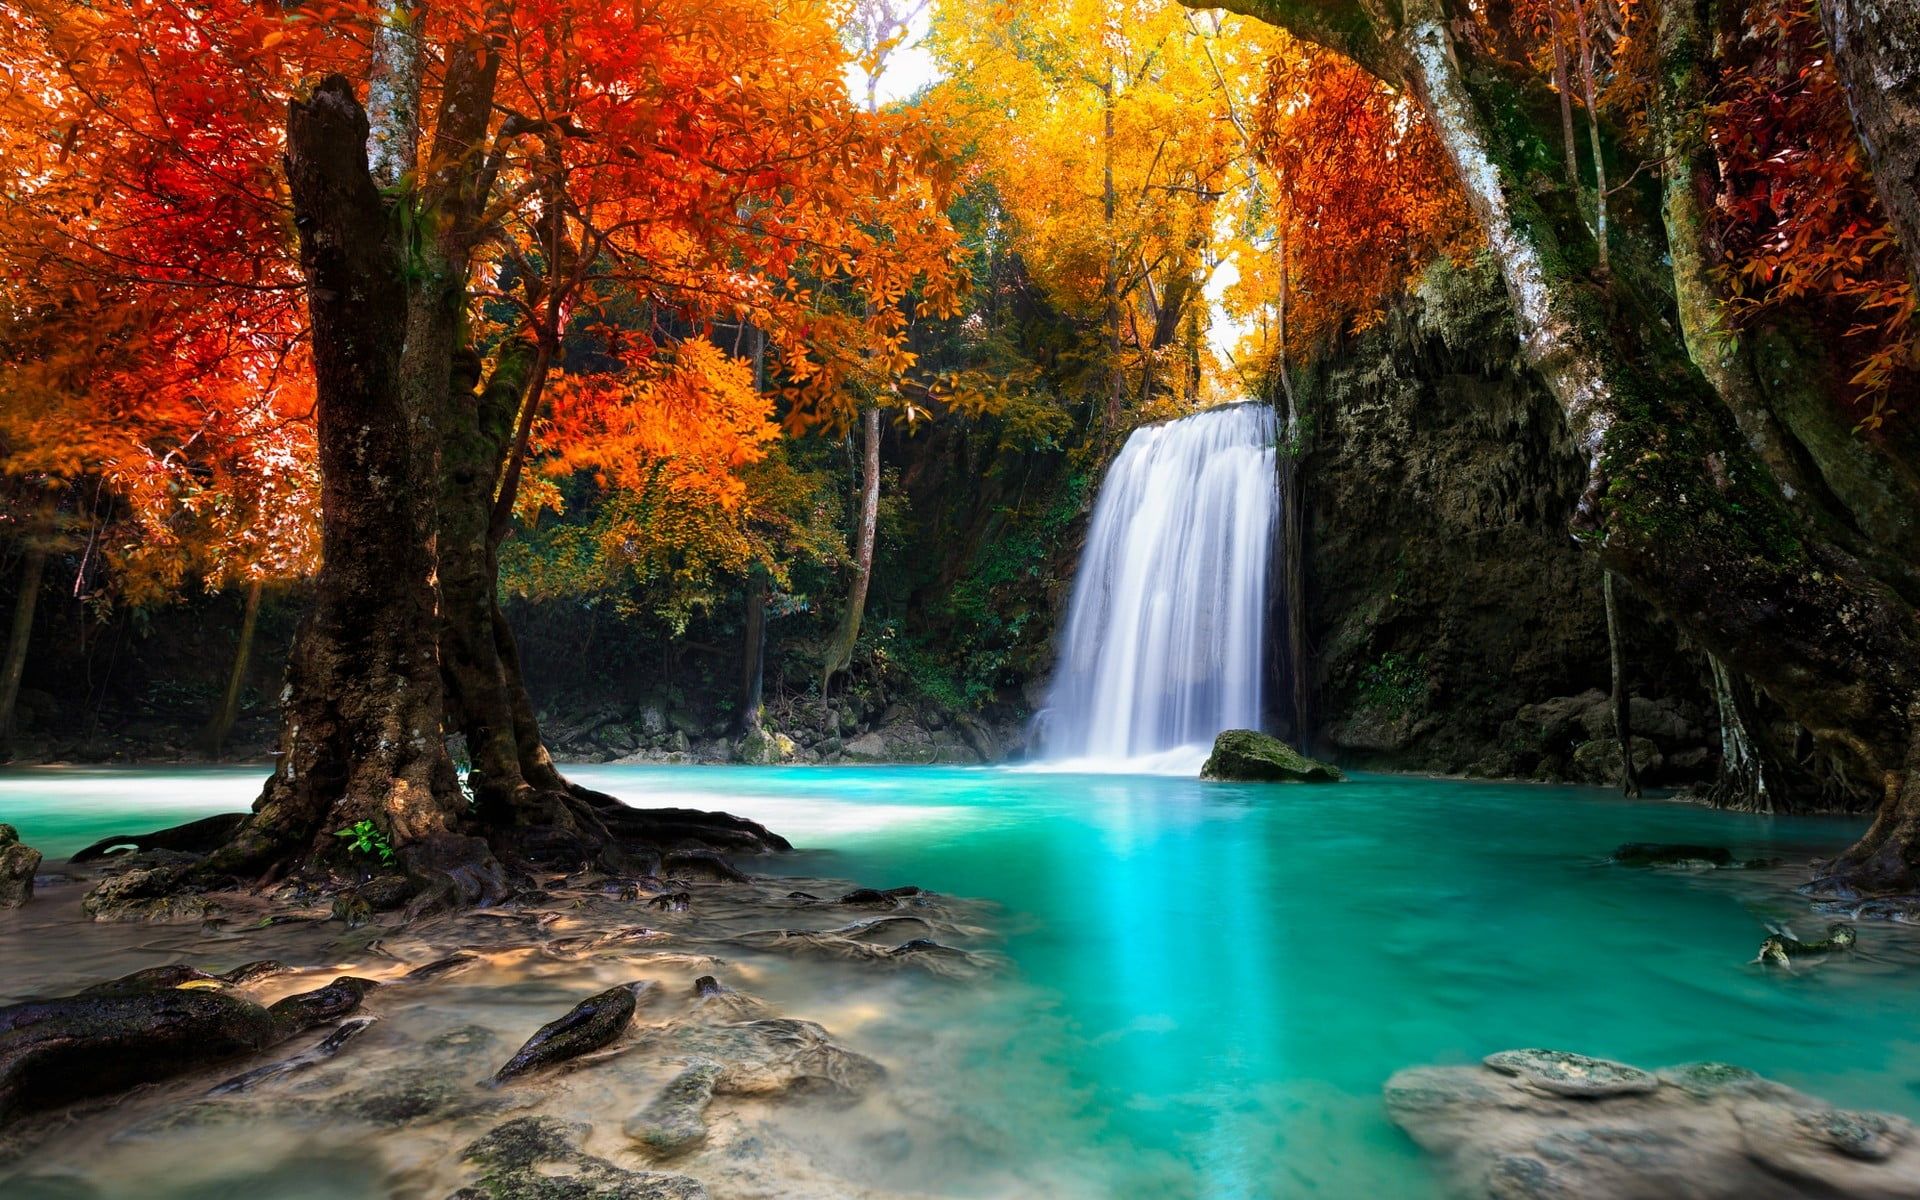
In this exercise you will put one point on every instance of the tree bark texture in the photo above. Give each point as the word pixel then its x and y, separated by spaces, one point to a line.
pixel 362 729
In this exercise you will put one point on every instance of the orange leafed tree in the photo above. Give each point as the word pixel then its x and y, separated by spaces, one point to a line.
pixel 424 223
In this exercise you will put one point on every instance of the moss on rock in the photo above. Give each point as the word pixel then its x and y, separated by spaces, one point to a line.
pixel 1244 754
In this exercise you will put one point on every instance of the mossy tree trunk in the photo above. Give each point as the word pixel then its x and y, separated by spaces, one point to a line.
pixel 1676 504
pixel 1876 46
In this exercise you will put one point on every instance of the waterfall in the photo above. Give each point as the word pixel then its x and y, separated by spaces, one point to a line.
pixel 1164 644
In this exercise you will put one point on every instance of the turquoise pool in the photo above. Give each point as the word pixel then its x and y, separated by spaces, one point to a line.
pixel 1210 982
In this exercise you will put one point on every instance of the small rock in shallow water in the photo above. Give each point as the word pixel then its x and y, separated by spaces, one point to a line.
pixel 1543 1124
pixel 872 898
pixel 538 1158
pixel 1672 854
pixel 592 1023
pixel 1783 950
pixel 17 864
pixel 676 1121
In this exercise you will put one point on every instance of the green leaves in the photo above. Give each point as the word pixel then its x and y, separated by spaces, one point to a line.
pixel 367 839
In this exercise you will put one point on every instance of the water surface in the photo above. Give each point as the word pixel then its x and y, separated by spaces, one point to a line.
pixel 1208 983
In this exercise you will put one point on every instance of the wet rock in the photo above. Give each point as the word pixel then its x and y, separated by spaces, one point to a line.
pixel 175 975
pixel 1672 854
pixel 1559 1073
pixel 327 1048
pixel 671 902
pixel 351 910
pixel 1552 1124
pixel 1243 754
pixel 1783 950
pixel 386 893
pixel 539 1158
pixel 17 864
pixel 338 999
pixel 56 1051
pixel 194 838
pixel 676 1121
pixel 150 894
pixel 592 1023
pixel 883 927
pixel 772 1056
pixel 439 968
pixel 870 898
pixel 702 864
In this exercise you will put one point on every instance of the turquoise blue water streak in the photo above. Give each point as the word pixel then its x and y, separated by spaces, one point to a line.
pixel 1210 982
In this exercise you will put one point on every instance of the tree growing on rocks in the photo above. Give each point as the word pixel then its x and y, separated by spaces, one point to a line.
pixel 1678 504
pixel 458 240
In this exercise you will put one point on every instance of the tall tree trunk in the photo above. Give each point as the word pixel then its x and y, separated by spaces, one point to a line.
pixel 1110 285
pixel 1563 86
pixel 1590 94
pixel 1622 701
pixel 221 725
pixel 362 722
pixel 753 651
pixel 840 651
pixel 1876 47
pixel 33 565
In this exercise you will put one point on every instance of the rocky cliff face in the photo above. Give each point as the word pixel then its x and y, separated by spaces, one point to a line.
pixel 1452 625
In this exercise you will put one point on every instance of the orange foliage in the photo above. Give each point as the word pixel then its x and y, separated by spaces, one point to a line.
pixel 1798 218
pixel 660 168
pixel 1365 193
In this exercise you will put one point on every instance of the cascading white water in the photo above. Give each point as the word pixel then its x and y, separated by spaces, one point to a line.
pixel 1164 642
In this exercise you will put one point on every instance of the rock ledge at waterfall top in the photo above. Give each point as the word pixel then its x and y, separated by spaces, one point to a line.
pixel 1244 755
pixel 1547 1123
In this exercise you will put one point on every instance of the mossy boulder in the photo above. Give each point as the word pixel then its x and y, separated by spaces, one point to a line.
pixel 1250 756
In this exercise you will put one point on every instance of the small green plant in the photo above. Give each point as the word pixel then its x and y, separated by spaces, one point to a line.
pixel 367 839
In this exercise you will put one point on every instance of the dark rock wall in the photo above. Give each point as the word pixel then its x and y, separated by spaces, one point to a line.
pixel 1445 600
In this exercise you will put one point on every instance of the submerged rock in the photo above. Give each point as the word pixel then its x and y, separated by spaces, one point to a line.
pixel 676 1121
pixel 18 862
pixel 1544 1123
pixel 1245 755
pixel 1672 854
pixel 539 1158
pixel 591 1024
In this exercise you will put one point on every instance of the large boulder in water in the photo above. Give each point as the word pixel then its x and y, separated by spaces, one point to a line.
pixel 142 1029
pixel 17 864
pixel 1546 1123
pixel 1243 754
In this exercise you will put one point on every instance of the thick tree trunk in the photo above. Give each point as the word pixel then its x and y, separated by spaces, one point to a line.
pixel 221 725
pixel 1622 702
pixel 33 565
pixel 840 651
pixel 362 732
pixel 1876 46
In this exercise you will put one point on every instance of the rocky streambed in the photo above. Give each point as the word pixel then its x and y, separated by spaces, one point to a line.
pixel 690 1033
